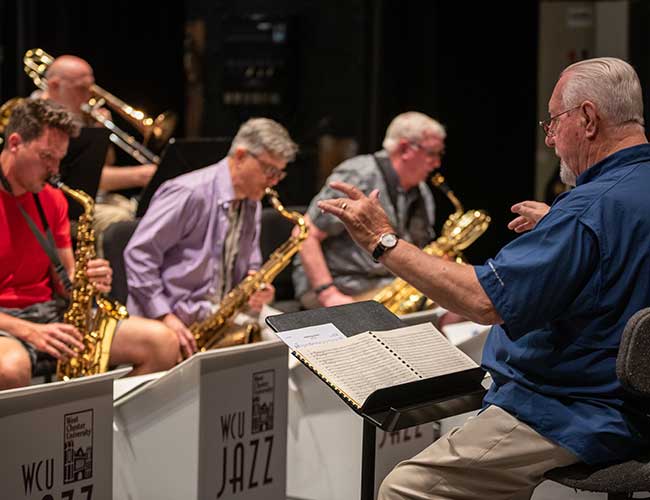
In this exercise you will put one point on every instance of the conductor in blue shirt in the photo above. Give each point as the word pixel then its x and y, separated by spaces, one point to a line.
pixel 559 297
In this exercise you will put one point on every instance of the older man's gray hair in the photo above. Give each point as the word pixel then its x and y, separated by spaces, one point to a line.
pixel 411 126
pixel 259 135
pixel 610 83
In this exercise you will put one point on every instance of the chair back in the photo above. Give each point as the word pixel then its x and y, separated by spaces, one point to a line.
pixel 633 360
pixel 115 239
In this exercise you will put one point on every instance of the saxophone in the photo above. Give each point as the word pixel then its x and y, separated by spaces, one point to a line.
pixel 459 231
pixel 217 329
pixel 97 326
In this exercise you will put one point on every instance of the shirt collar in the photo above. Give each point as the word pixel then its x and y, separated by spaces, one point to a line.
pixel 392 179
pixel 626 156
pixel 223 184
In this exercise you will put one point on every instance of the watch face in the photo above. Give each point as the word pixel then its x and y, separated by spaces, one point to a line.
pixel 389 240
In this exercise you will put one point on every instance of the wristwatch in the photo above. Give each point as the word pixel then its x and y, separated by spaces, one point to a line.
pixel 386 242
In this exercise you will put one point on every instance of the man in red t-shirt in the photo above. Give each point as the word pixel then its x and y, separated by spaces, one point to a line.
pixel 36 139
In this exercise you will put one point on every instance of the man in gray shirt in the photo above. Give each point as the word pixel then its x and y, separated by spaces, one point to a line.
pixel 330 269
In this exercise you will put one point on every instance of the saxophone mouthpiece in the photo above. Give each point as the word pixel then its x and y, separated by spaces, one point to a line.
pixel 55 181
pixel 439 181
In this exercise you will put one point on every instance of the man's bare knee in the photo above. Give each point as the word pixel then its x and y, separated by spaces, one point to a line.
pixel 163 344
pixel 147 344
pixel 15 365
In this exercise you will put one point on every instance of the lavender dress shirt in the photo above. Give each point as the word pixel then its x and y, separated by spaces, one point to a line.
pixel 173 258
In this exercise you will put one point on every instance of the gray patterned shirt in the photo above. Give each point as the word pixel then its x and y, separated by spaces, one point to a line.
pixel 352 269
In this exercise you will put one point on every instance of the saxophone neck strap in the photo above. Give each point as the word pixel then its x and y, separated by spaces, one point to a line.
pixel 47 242
pixel 5 182
pixel 390 178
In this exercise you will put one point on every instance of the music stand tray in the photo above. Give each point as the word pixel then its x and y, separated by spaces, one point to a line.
pixel 392 408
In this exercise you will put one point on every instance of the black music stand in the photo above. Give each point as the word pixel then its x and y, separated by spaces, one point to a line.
pixel 392 408
pixel 81 168
pixel 180 157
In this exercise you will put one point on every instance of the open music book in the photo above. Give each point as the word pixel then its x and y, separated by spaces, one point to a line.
pixel 357 366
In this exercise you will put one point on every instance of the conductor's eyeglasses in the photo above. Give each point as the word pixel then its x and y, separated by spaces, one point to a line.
pixel 547 125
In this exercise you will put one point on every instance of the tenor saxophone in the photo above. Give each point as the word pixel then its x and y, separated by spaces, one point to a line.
pixel 460 230
pixel 216 329
pixel 95 316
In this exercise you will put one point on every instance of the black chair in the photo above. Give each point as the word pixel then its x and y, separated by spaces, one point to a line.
pixel 276 229
pixel 45 367
pixel 620 480
pixel 115 239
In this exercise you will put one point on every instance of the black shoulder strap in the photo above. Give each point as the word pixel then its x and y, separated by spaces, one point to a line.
pixel 48 245
pixel 384 165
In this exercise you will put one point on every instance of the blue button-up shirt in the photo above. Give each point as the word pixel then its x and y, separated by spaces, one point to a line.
pixel 565 291
pixel 172 260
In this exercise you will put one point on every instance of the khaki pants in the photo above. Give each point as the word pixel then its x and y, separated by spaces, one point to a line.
pixel 493 455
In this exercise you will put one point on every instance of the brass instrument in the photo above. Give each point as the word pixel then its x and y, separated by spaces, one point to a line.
pixel 158 129
pixel 459 231
pixel 217 329
pixel 5 113
pixel 96 326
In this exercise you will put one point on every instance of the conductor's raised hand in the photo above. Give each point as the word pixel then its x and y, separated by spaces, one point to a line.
pixel 529 214
pixel 363 216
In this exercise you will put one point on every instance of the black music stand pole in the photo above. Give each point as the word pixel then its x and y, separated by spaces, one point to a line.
pixel 368 461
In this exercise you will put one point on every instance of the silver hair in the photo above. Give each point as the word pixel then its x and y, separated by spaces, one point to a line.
pixel 610 83
pixel 259 135
pixel 412 126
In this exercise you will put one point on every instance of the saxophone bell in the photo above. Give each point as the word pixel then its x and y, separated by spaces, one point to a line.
pixel 460 230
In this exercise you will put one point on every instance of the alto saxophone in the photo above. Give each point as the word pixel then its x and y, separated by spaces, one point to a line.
pixel 97 326
pixel 214 330
pixel 459 231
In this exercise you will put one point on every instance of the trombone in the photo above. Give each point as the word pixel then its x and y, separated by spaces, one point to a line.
pixel 37 61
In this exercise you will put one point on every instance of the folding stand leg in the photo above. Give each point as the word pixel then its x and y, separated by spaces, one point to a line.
pixel 368 461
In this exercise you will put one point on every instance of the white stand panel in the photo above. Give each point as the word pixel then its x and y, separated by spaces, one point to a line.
pixel 212 427
pixel 56 439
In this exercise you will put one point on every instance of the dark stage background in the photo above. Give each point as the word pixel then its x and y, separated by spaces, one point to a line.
pixel 324 69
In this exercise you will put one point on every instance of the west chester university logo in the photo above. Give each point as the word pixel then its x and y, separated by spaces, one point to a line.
pixel 263 394
pixel 77 446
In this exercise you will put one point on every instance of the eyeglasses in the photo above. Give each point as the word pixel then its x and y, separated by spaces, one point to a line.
pixel 430 153
pixel 547 124
pixel 44 155
pixel 271 171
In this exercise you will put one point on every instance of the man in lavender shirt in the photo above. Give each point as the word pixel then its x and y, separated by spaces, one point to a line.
pixel 200 235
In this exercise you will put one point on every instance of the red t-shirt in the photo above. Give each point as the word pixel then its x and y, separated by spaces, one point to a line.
pixel 24 265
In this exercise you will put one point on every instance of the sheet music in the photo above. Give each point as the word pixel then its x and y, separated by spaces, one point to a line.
pixel 358 365
pixel 310 335
pixel 426 350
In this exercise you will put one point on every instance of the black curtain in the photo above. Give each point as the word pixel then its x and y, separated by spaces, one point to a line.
pixel 473 67
pixel 135 48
